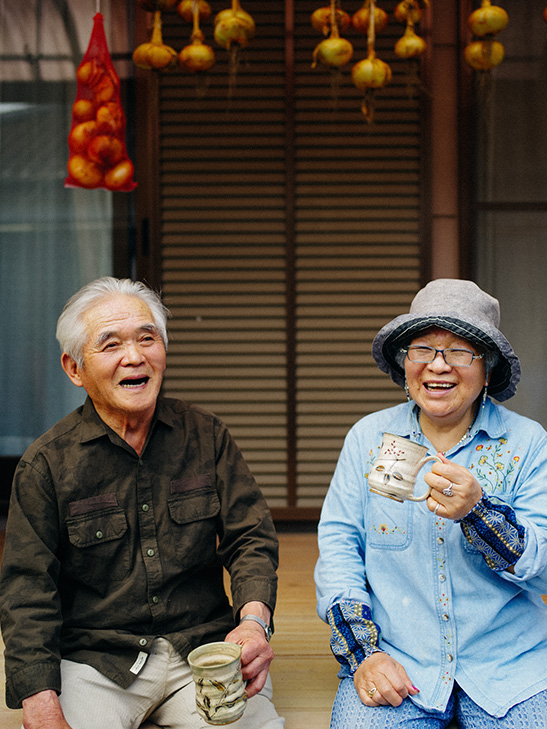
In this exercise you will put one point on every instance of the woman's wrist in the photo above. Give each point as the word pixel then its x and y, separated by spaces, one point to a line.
pixel 493 529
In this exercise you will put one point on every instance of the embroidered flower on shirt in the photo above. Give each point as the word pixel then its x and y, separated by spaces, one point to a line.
pixel 495 468
pixel 384 529
pixel 447 678
pixel 444 599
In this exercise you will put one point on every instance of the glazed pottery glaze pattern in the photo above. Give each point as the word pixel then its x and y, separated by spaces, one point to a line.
pixel 394 472
pixel 220 691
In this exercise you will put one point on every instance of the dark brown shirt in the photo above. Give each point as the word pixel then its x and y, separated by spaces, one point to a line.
pixel 105 550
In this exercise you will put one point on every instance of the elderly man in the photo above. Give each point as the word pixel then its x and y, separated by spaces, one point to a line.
pixel 122 518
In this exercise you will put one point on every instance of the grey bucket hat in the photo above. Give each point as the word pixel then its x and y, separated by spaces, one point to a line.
pixel 460 307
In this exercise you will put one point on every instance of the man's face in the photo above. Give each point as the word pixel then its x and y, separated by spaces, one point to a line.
pixel 123 359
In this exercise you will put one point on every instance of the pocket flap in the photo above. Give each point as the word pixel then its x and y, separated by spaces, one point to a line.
pixel 195 506
pixel 97 529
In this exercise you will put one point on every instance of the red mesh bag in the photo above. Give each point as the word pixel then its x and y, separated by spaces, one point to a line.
pixel 98 155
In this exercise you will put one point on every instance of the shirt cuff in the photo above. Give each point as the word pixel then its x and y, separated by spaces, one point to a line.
pixel 31 680
pixel 493 529
pixel 354 636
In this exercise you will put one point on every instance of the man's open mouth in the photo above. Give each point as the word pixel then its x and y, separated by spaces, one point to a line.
pixel 134 382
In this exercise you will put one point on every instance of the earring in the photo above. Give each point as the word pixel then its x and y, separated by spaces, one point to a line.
pixel 407 391
pixel 485 391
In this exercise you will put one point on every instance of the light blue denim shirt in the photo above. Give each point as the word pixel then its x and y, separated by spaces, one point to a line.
pixel 443 613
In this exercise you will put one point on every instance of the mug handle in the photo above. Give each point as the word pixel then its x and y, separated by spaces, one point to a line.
pixel 424 496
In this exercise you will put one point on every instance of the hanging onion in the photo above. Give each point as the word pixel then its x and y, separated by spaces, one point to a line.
pixel 410 45
pixel 334 51
pixel 487 20
pixel 234 25
pixel 483 55
pixel 321 20
pixel 197 56
pixel 185 10
pixel 408 10
pixel 371 73
pixel 361 19
pixel 155 54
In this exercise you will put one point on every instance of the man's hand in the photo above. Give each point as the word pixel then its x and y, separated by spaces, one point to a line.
pixel 43 711
pixel 256 654
pixel 389 679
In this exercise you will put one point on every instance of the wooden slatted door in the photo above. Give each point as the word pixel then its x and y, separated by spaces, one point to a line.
pixel 290 232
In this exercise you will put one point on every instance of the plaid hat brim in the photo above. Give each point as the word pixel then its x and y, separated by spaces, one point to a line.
pixel 504 377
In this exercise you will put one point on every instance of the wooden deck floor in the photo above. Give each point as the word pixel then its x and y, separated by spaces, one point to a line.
pixel 304 671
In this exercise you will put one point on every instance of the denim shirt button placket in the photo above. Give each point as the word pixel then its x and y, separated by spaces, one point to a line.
pixel 440 554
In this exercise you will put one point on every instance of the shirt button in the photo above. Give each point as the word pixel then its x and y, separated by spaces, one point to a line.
pixel 450 657
pixel 99 534
pixel 143 641
pixel 440 540
pixel 155 599
pixel 446 617
pixel 150 553
pixel 145 507
pixel 442 578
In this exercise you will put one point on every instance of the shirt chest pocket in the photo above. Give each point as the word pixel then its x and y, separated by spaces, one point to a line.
pixel 388 523
pixel 193 517
pixel 99 546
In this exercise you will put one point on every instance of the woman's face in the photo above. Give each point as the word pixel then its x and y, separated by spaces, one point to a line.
pixel 444 393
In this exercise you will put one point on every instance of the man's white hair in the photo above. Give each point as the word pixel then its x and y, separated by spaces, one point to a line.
pixel 71 330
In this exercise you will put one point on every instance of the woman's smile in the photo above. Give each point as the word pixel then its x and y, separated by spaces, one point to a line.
pixel 446 394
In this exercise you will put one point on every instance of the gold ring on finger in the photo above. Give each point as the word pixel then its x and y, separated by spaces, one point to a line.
pixel 372 691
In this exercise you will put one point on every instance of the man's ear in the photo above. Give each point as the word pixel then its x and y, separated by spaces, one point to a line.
pixel 72 369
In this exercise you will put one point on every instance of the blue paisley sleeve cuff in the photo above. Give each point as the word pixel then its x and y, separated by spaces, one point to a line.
pixel 493 529
pixel 354 636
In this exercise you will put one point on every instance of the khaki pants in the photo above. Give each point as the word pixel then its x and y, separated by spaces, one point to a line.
pixel 163 692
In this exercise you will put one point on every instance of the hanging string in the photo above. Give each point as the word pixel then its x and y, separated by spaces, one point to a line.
pixel 98 6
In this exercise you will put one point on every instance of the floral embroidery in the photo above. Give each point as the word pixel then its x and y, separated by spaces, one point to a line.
pixel 384 529
pixel 495 467
pixel 447 678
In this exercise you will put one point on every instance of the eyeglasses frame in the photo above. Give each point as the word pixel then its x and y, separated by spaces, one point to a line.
pixel 442 351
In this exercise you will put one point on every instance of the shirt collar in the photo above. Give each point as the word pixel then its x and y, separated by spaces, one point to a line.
pixel 94 427
pixel 488 420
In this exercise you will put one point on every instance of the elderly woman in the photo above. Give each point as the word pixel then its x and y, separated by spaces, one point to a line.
pixel 435 607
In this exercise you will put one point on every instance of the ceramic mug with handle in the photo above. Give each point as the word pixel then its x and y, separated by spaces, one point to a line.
pixel 394 472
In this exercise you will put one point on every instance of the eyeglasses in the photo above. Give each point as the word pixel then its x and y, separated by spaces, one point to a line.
pixel 452 357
